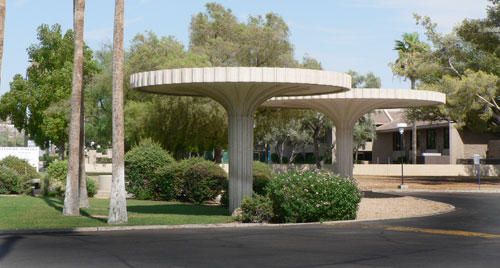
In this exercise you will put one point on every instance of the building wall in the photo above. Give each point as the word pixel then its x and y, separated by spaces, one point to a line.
pixel 394 170
pixel 456 145
pixel 383 152
pixel 475 143
pixel 382 149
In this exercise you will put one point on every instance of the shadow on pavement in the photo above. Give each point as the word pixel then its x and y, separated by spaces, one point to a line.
pixel 370 194
pixel 6 246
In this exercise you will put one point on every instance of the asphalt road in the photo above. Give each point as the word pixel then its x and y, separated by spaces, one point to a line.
pixel 468 237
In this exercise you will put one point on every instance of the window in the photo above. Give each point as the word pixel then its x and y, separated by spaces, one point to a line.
pixel 430 140
pixel 446 138
pixel 396 141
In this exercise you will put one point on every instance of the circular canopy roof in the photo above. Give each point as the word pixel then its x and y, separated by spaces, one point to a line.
pixel 380 97
pixel 198 81
pixel 358 101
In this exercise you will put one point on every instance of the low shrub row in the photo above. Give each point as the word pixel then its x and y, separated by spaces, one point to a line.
pixel 307 196
pixel 151 173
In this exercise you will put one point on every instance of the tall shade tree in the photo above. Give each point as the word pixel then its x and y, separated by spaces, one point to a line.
pixel 469 60
pixel 410 64
pixel 36 104
pixel 2 27
pixel 118 202
pixel 72 194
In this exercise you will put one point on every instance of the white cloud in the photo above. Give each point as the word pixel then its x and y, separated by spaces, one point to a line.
pixel 106 33
pixel 99 34
pixel 20 3
pixel 128 22
pixel 446 13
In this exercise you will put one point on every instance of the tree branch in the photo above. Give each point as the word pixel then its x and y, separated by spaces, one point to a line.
pixel 453 68
pixel 488 102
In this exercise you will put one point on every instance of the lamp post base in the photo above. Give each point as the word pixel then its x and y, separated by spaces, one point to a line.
pixel 403 186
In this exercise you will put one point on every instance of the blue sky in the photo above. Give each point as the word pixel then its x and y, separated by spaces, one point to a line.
pixel 342 34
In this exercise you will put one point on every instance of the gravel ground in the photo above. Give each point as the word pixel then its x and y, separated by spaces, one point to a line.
pixel 384 206
pixel 398 207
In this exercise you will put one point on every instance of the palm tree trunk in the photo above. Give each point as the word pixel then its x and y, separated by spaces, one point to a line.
pixel 118 202
pixel 72 196
pixel 2 27
pixel 84 197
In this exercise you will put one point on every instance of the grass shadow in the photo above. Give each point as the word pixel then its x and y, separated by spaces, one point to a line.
pixel 180 209
pixel 58 204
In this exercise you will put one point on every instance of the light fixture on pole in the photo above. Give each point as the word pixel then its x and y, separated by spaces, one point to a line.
pixel 401 127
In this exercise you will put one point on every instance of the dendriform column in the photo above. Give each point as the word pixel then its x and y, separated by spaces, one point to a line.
pixel 240 90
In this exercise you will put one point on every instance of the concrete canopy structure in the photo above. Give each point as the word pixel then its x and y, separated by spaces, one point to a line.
pixel 240 90
pixel 344 109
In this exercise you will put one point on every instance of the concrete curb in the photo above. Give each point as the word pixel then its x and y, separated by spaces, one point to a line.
pixel 431 191
pixel 203 226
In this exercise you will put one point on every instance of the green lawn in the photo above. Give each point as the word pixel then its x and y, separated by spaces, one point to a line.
pixel 27 212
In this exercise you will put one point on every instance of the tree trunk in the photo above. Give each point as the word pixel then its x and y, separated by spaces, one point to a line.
pixel 413 130
pixel 84 197
pixel 72 195
pixel 118 202
pixel 278 152
pixel 356 151
pixel 61 150
pixel 2 27
pixel 218 155
pixel 316 153
pixel 414 142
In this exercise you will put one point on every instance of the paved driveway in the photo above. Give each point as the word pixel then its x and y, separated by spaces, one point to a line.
pixel 468 237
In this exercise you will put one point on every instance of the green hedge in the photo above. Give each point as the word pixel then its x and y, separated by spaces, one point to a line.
pixel 11 182
pixel 15 174
pixel 169 182
pixel 203 182
pixel 21 167
pixel 256 209
pixel 141 164
pixel 262 173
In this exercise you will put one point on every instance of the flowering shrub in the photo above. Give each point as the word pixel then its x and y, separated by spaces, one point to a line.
pixel 310 196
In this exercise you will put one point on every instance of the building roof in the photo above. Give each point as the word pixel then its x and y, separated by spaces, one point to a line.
pixel 392 126
pixel 384 116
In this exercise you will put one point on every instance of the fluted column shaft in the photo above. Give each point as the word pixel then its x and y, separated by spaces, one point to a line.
pixel 344 133
pixel 240 158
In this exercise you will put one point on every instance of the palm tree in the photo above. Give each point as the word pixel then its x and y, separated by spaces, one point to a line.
pixel 407 66
pixel 72 195
pixel 118 203
pixel 2 27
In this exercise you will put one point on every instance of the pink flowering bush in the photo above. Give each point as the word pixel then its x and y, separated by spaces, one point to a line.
pixel 311 196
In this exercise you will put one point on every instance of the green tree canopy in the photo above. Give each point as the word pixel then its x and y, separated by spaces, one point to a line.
pixel 48 84
pixel 468 61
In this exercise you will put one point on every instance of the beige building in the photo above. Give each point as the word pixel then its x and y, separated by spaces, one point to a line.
pixel 437 142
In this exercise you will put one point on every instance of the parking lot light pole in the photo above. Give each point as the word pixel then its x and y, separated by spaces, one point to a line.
pixel 401 127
